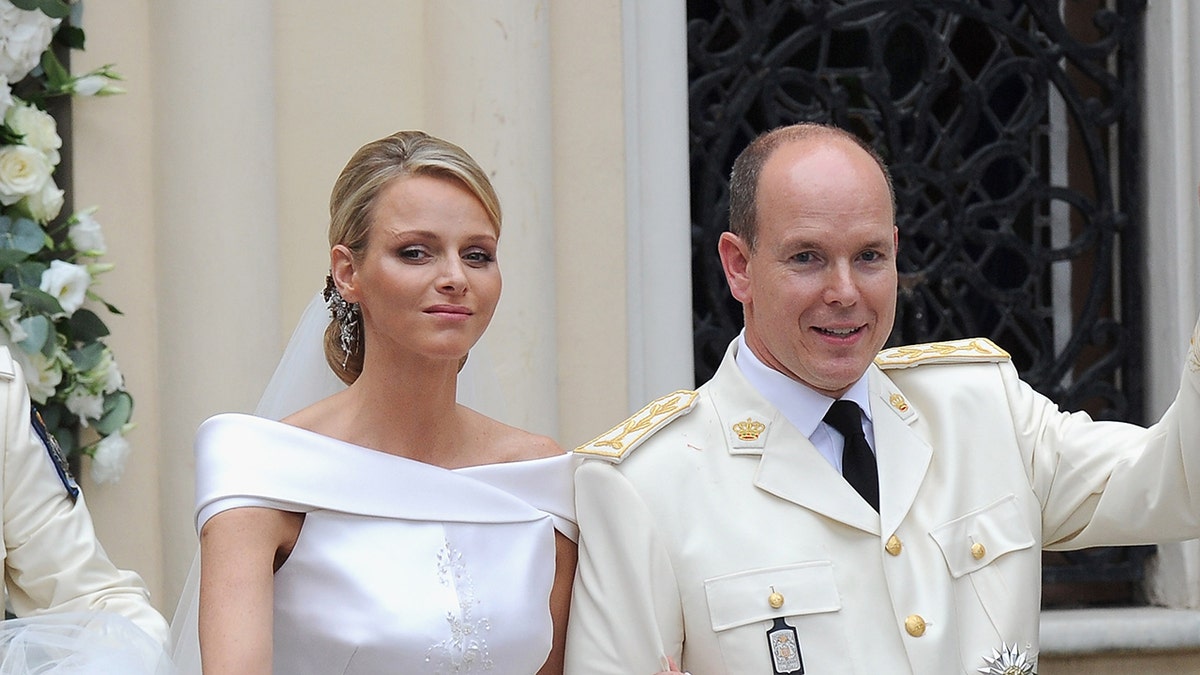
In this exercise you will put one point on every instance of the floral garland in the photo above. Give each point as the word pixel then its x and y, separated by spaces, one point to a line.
pixel 48 260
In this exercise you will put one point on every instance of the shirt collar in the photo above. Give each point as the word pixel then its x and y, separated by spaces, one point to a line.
pixel 800 404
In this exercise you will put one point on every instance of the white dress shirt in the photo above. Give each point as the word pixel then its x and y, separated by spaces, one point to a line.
pixel 804 406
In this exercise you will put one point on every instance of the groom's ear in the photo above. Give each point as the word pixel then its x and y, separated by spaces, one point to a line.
pixel 342 269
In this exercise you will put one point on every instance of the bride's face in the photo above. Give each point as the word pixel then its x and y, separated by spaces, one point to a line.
pixel 428 280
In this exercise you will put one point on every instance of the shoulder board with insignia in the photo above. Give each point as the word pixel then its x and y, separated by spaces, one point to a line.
pixel 616 443
pixel 970 350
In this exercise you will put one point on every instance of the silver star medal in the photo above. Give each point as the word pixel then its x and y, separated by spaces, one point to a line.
pixel 1009 661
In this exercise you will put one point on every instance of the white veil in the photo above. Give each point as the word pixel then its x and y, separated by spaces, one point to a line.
pixel 302 378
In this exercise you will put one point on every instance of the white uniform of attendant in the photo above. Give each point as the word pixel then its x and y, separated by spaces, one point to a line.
pixel 725 518
pixel 400 566
pixel 53 563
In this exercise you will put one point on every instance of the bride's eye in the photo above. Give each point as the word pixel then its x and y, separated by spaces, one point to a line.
pixel 478 257
pixel 413 253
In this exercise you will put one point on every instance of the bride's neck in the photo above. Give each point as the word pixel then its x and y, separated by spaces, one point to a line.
pixel 410 412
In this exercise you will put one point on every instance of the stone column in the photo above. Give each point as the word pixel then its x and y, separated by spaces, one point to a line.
pixel 217 276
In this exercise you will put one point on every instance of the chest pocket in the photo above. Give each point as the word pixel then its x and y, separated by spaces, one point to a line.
pixel 745 597
pixel 741 609
pixel 977 539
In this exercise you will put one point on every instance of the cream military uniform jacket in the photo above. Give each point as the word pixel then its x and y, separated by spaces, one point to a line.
pixel 708 521
pixel 52 560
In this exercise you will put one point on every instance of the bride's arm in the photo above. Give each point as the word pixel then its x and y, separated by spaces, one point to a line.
pixel 239 550
pixel 560 601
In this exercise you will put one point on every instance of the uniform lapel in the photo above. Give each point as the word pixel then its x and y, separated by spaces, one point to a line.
pixel 902 455
pixel 790 467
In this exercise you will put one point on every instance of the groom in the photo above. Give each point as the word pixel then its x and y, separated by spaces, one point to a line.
pixel 821 506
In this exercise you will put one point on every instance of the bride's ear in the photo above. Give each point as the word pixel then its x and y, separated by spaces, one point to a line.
pixel 342 269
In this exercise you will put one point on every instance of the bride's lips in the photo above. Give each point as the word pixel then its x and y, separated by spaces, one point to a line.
pixel 457 310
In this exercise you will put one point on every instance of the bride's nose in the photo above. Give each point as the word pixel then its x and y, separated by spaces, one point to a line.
pixel 452 276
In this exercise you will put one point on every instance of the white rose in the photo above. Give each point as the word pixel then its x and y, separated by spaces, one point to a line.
pixel 105 377
pixel 85 405
pixel 68 283
pixel 23 172
pixel 42 375
pixel 85 235
pixel 24 35
pixel 6 97
pixel 37 128
pixel 46 203
pixel 10 314
pixel 108 459
pixel 113 379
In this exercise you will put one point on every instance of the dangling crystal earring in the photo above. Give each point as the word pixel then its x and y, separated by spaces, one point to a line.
pixel 346 314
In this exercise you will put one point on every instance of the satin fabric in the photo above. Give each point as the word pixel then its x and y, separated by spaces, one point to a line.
pixel 400 566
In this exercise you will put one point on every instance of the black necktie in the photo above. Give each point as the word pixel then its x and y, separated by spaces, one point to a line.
pixel 858 462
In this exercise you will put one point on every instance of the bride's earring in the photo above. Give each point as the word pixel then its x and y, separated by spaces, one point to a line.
pixel 345 314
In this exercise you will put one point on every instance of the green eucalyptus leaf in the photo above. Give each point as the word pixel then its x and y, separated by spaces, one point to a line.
pixel 85 326
pixel 55 9
pixel 87 357
pixel 28 276
pixel 66 439
pixel 27 5
pixel 37 331
pixel 11 256
pixel 118 408
pixel 22 234
pixel 37 300
pixel 51 415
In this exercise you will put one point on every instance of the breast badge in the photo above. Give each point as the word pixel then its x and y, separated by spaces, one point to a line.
pixel 784 644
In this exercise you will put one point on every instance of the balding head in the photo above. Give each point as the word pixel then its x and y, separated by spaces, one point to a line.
pixel 747 170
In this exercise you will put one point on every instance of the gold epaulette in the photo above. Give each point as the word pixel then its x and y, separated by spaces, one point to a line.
pixel 616 443
pixel 970 350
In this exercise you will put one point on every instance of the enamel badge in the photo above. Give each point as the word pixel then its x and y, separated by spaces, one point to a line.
pixel 785 648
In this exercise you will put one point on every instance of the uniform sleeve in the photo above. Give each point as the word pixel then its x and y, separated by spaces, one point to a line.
pixel 53 562
pixel 1110 483
pixel 625 608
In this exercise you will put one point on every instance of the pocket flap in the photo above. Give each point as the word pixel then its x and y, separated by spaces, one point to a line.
pixel 745 597
pixel 975 540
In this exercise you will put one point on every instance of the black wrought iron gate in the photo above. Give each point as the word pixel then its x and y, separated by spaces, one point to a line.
pixel 1012 130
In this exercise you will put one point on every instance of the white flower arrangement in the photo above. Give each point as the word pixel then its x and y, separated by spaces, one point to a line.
pixel 49 260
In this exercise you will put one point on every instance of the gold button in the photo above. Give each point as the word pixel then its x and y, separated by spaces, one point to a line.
pixel 775 600
pixel 978 551
pixel 893 545
pixel 915 625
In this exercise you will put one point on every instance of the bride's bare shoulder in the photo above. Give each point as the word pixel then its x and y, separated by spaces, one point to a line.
pixel 323 417
pixel 506 443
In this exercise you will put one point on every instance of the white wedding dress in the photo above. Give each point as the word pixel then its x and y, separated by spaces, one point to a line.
pixel 400 566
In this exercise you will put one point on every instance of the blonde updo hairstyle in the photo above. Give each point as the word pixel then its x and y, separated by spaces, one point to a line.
pixel 356 191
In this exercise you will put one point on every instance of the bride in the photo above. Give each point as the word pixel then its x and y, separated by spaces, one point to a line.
pixel 387 528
